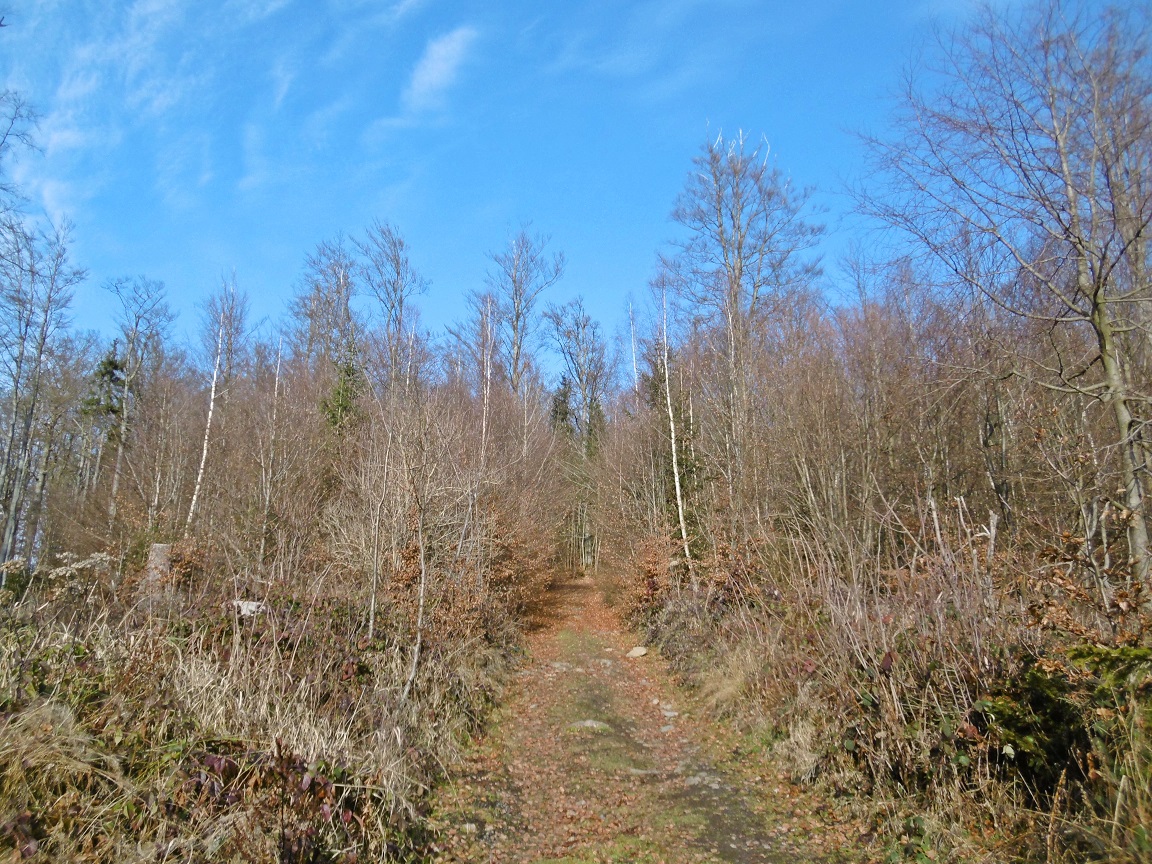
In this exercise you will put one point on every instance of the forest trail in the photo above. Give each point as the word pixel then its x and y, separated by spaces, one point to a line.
pixel 598 757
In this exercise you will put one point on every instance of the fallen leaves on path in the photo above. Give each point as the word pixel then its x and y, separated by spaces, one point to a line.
pixel 596 756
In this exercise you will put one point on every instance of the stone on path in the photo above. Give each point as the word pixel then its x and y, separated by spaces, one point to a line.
pixel 638 651
pixel 595 725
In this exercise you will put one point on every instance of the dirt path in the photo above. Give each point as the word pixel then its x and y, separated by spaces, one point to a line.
pixel 595 757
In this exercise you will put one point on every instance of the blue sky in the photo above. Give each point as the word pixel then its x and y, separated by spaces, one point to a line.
pixel 187 140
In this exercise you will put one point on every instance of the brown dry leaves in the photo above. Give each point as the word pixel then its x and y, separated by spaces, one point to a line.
pixel 659 783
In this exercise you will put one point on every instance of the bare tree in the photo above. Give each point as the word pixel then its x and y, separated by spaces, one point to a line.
pixel 227 311
pixel 475 349
pixel 17 119
pixel 521 274
pixel 585 355
pixel 1024 165
pixel 666 365
pixel 325 324
pixel 144 315
pixel 743 256
pixel 587 376
pixel 36 282
pixel 387 272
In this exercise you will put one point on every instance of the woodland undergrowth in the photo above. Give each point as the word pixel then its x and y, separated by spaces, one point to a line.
pixel 176 727
pixel 973 701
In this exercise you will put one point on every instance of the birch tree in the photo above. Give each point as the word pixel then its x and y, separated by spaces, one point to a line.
pixel 226 311
pixel 677 485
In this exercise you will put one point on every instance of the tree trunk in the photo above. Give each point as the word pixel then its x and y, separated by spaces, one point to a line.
pixel 675 458
pixel 420 609
pixel 1132 466
pixel 207 427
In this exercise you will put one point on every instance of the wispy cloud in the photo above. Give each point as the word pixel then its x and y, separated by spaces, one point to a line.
pixel 402 8
pixel 438 69
pixel 133 54
pixel 283 76
pixel 317 128
pixel 393 11
pixel 656 48
pixel 252 11
pixel 364 21
pixel 58 198
pixel 183 167
pixel 256 166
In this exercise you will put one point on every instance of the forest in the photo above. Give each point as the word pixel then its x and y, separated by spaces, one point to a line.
pixel 262 588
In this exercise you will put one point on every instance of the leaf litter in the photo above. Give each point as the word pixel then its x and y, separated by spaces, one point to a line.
pixel 589 761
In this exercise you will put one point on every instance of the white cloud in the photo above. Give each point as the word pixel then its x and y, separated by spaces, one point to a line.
pixel 317 127
pixel 383 128
pixel 638 43
pixel 391 12
pixel 361 21
pixel 133 56
pixel 58 199
pixel 62 132
pixel 437 69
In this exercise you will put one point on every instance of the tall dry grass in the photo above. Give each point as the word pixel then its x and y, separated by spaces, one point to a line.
pixel 177 728
pixel 949 685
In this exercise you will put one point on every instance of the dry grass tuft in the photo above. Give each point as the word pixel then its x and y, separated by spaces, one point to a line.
pixel 969 701
pixel 186 731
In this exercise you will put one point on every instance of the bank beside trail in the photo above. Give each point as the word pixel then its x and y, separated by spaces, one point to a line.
pixel 598 756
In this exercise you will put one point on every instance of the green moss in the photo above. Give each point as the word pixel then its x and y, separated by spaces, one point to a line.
pixel 1119 669
pixel 1037 723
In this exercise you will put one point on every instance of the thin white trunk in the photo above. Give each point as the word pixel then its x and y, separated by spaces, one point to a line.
pixel 207 427
pixel 487 347
pixel 635 367
pixel 675 458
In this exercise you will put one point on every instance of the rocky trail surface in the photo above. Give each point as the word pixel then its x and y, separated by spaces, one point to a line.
pixel 597 756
